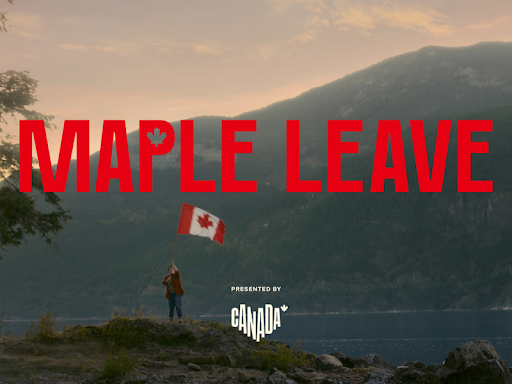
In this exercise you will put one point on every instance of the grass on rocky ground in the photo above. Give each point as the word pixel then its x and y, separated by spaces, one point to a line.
pixel 28 360
pixel 281 356
pixel 119 363
pixel 74 350
pixel 115 348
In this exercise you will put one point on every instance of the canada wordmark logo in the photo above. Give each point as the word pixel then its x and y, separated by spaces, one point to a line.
pixel 259 322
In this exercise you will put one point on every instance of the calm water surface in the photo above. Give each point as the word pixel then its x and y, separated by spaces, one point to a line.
pixel 399 337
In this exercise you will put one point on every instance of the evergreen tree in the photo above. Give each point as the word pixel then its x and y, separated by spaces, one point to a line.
pixel 20 216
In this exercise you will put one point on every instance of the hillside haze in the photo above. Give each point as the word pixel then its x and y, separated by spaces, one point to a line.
pixel 431 82
pixel 328 252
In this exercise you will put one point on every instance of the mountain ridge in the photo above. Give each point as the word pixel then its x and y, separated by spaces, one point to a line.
pixel 329 252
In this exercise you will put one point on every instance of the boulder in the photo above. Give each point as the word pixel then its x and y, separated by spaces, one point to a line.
pixel 375 360
pixel 300 376
pixel 415 376
pixel 225 360
pixel 471 363
pixel 350 362
pixel 415 364
pixel 474 363
pixel 279 378
pixel 327 363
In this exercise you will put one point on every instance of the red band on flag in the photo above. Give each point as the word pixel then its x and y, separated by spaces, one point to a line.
pixel 219 235
pixel 185 219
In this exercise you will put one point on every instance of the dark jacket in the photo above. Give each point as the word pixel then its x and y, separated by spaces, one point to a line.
pixel 176 284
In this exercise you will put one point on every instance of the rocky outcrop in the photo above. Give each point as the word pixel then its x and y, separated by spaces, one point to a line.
pixel 376 361
pixel 327 363
pixel 350 362
pixel 474 363
pixel 416 372
pixel 279 378
pixel 213 353
pixel 471 363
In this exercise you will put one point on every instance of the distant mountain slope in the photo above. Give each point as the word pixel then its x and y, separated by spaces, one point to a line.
pixel 328 252
pixel 428 83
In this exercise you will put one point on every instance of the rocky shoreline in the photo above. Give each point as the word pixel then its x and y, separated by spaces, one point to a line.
pixel 147 351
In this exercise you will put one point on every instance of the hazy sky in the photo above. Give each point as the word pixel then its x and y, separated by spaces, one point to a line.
pixel 172 60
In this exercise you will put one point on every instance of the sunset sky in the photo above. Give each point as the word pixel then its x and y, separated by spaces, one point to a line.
pixel 172 60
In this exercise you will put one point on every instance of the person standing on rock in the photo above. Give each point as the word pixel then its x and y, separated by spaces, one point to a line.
pixel 173 291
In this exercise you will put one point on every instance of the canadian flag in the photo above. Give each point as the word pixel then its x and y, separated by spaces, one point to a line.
pixel 195 221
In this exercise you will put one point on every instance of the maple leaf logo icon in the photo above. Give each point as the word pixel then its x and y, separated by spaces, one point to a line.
pixel 205 221
pixel 156 137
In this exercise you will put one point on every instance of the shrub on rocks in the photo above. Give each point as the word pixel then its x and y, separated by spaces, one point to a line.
pixel 123 332
pixel 282 357
pixel 119 364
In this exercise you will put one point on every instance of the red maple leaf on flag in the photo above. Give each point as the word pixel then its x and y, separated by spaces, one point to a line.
pixel 204 221
pixel 209 225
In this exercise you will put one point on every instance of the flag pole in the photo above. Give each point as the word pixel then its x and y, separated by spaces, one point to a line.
pixel 176 237
pixel 174 251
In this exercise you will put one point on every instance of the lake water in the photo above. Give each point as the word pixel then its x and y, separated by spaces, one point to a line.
pixel 399 337
pixel 396 337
